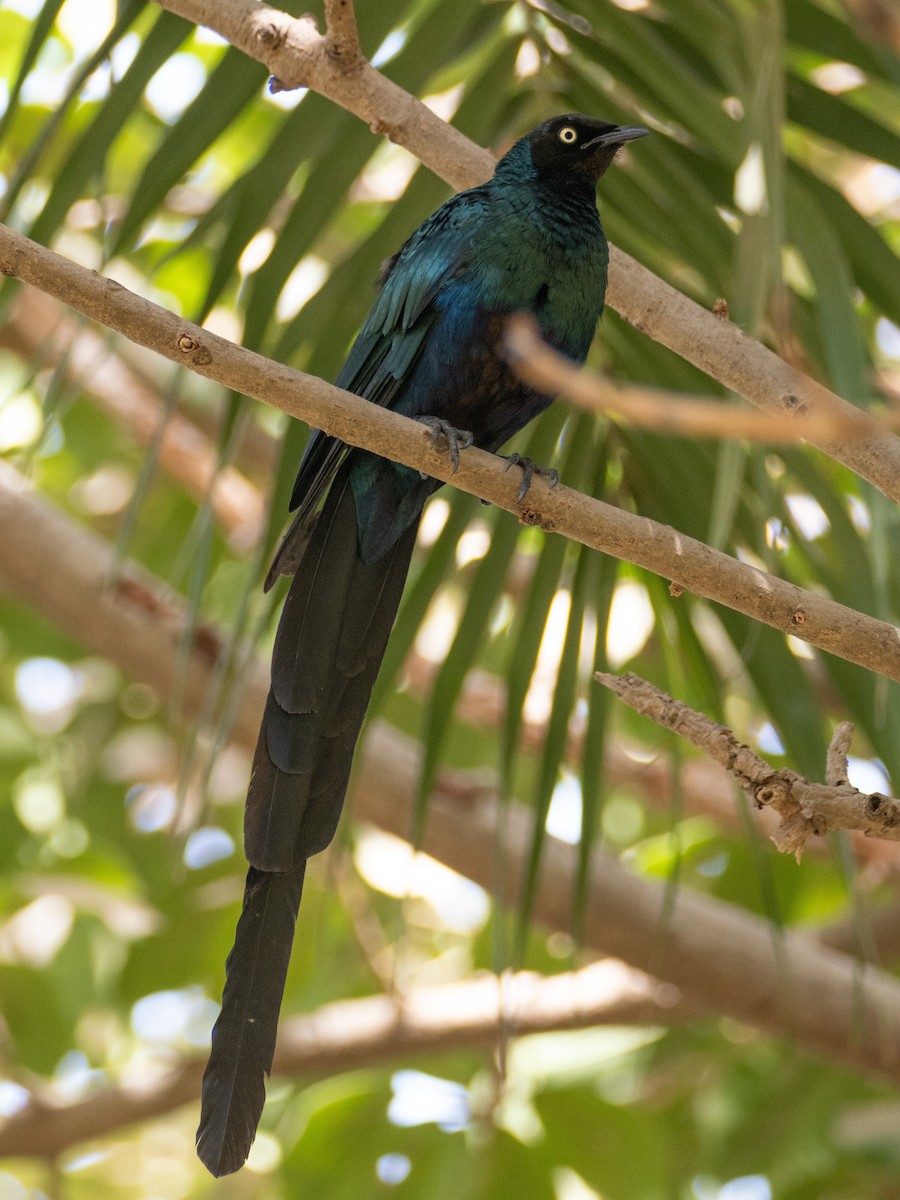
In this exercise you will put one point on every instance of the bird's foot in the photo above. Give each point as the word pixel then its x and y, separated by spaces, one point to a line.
pixel 529 470
pixel 457 439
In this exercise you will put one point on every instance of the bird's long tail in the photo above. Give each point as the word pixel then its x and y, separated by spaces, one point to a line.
pixel 329 646
pixel 244 1035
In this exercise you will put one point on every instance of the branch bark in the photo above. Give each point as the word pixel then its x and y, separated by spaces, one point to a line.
pixel 358 1033
pixel 789 986
pixel 342 35
pixel 806 808
pixel 732 961
pixel 879 21
pixel 298 55
pixel 877 932
pixel 688 563
pixel 64 571
pixel 702 787
pixel 666 412
pixel 44 333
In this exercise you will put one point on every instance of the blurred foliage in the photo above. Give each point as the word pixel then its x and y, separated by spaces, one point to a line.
pixel 133 143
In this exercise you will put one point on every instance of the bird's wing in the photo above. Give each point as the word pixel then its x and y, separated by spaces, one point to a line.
pixel 386 349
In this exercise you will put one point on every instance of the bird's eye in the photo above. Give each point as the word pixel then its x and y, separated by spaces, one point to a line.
pixel 568 135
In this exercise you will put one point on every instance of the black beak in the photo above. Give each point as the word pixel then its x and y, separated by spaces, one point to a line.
pixel 617 136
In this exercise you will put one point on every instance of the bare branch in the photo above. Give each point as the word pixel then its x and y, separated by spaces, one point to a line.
pixel 137 622
pixel 700 785
pixel 688 563
pixel 722 350
pixel 358 1033
pixel 877 929
pixel 838 749
pixel 706 948
pixel 710 950
pixel 43 332
pixel 297 55
pixel 666 412
pixel 879 19
pixel 341 34
pixel 294 50
pixel 806 808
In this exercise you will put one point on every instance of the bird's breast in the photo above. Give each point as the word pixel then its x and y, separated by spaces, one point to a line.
pixel 556 273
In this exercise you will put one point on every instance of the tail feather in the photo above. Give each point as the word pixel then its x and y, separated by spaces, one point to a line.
pixel 276 799
pixel 243 1039
pixel 328 650
pixel 309 631
pixel 366 626
pixel 291 739
pixel 319 697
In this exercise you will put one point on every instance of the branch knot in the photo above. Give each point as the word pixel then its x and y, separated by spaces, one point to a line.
pixel 776 790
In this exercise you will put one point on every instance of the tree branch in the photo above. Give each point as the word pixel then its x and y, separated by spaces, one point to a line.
pixel 731 960
pixel 688 563
pixel 806 808
pixel 295 52
pixel 666 412
pixel 341 34
pixel 701 786
pixel 358 1033
pixel 787 985
pixel 64 571
pixel 879 21
pixel 878 929
pixel 297 55
pixel 44 332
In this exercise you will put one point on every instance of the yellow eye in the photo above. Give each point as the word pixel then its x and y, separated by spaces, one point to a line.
pixel 568 135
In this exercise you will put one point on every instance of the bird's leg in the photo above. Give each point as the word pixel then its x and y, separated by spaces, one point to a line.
pixel 457 439
pixel 529 470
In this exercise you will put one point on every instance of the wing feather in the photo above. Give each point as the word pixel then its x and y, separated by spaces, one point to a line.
pixel 385 351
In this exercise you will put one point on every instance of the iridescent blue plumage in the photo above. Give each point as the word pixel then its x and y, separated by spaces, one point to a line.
pixel 528 240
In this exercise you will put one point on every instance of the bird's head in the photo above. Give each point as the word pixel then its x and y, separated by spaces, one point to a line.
pixel 577 145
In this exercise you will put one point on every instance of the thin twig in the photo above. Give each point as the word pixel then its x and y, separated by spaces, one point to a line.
pixel 700 785
pixel 342 35
pixel 665 412
pixel 806 808
pixel 688 563
pixel 295 51
pixel 297 55
pixel 836 760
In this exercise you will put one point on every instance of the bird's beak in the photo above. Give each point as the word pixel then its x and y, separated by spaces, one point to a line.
pixel 616 137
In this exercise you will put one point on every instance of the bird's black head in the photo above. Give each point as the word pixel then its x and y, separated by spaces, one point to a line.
pixel 577 145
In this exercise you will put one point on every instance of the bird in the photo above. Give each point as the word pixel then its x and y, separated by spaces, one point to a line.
pixel 528 240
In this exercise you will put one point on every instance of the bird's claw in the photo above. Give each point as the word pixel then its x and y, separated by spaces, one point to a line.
pixel 457 439
pixel 529 470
